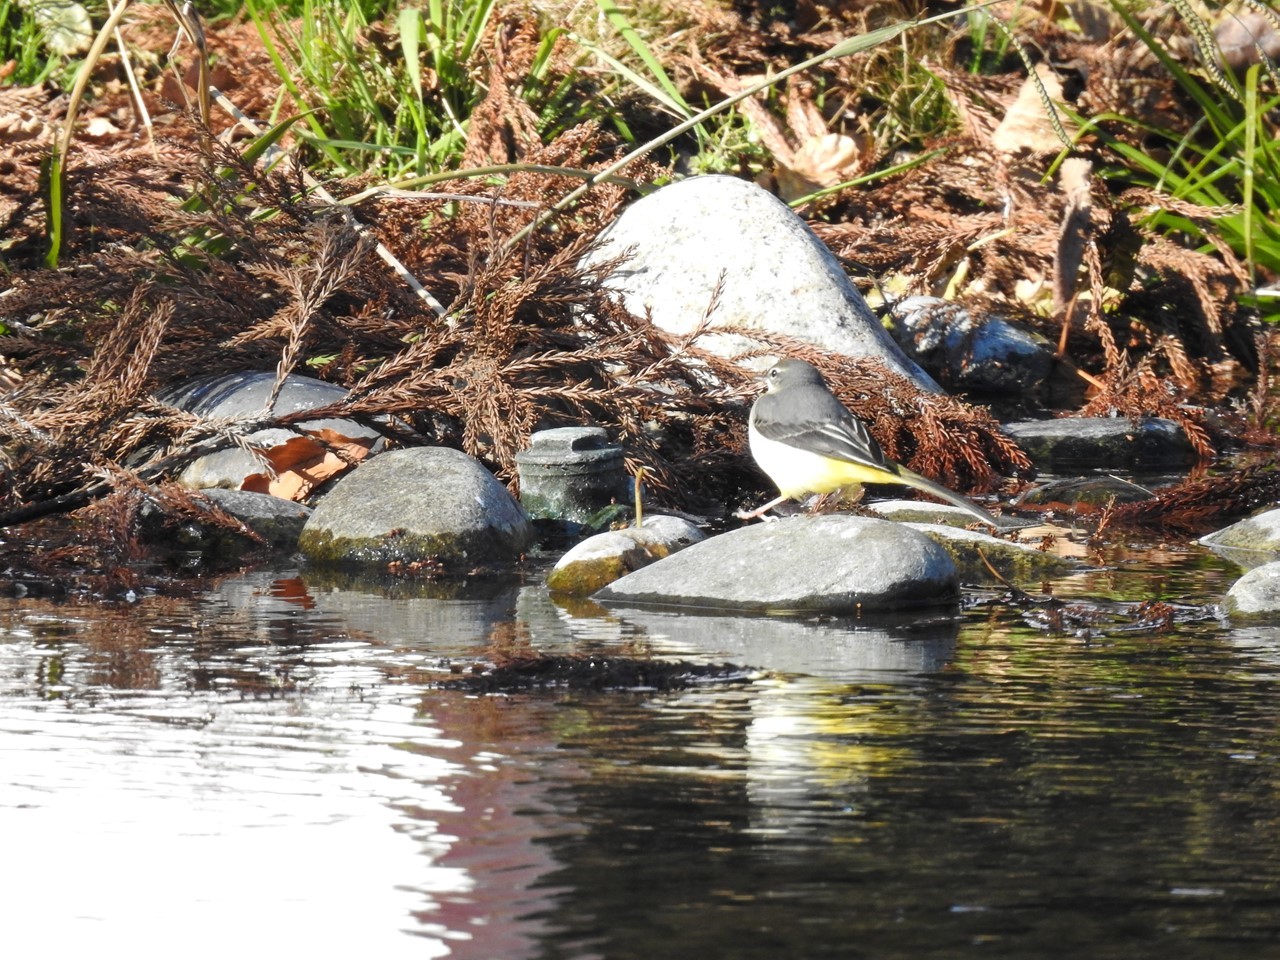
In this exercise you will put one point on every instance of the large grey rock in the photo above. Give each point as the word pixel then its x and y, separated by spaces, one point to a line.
pixel 604 558
pixel 1256 594
pixel 834 563
pixel 228 395
pixel 1118 442
pixel 1249 542
pixel 989 355
pixel 777 275
pixel 417 504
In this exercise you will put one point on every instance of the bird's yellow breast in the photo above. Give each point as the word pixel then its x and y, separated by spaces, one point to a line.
pixel 799 473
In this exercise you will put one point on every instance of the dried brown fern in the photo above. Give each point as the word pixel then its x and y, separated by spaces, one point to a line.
pixel 1197 505
pixel 1143 393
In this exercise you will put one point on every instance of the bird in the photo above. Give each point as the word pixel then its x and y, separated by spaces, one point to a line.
pixel 805 439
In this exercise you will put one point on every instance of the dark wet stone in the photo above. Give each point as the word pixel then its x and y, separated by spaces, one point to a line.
pixel 415 505
pixel 1088 442
pixel 277 521
pixel 961 351
pixel 832 563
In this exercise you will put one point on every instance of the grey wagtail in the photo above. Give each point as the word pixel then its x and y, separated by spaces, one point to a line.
pixel 807 442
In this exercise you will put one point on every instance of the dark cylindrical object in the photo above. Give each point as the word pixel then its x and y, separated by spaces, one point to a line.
pixel 569 473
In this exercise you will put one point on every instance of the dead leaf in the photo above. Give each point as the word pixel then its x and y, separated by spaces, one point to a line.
pixel 100 127
pixel 303 463
pixel 822 161
pixel 1026 125
pixel 1077 226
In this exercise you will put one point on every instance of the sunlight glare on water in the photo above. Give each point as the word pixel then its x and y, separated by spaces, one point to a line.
pixel 277 765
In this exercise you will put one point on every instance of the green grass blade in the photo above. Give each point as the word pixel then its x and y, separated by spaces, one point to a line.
pixel 1248 157
pixel 409 24
pixel 628 33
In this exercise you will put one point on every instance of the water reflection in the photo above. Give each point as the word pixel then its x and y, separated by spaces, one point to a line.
pixel 276 765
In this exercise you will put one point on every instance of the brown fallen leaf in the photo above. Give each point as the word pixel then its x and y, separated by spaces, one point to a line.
pixel 303 463
pixel 1027 125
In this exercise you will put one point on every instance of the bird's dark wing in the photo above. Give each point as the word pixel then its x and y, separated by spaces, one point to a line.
pixel 827 429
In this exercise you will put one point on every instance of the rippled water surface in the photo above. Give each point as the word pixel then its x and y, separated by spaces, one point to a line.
pixel 276 766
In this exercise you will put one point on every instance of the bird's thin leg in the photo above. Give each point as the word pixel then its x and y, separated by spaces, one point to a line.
pixel 743 515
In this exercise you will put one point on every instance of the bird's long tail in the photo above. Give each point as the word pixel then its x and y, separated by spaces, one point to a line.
pixel 942 493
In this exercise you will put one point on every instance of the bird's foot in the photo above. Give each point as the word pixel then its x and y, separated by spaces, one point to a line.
pixel 759 511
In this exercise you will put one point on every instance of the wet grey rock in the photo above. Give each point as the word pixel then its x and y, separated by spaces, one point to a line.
pixel 570 473
pixel 1071 443
pixel 602 559
pixel 964 352
pixel 1092 491
pixel 1256 594
pixel 413 505
pixel 834 563
pixel 244 395
pixel 278 521
pixel 778 276
pixel 972 550
pixel 1250 542
pixel 927 511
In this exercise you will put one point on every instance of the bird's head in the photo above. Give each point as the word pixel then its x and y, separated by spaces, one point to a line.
pixel 789 372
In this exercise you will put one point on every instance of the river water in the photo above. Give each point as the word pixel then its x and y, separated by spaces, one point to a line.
pixel 276 765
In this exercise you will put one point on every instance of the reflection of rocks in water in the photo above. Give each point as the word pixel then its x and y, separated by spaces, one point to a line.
pixel 811 741
pixel 570 623
pixel 699 808
pixel 587 672
pixel 440 617
pixel 869 649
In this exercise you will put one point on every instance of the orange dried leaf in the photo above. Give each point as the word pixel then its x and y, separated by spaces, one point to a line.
pixel 303 463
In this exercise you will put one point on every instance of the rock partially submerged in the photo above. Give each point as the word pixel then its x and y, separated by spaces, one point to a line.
pixel 277 521
pixel 606 557
pixel 1087 491
pixel 1250 542
pixel 780 277
pixel 833 563
pixel 424 503
pixel 972 551
pixel 1256 595
pixel 1071 443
